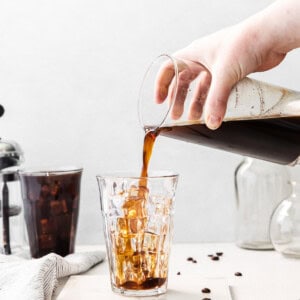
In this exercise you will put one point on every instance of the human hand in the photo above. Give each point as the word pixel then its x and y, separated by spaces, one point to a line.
pixel 224 58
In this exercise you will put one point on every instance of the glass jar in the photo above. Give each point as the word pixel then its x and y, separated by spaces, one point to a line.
pixel 285 224
pixel 259 187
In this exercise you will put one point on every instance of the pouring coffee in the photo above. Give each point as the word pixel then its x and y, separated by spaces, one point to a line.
pixel 262 120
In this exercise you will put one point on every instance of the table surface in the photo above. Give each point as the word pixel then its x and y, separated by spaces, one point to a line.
pixel 265 274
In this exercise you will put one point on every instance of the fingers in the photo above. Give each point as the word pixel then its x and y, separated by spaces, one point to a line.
pixel 216 102
pixel 199 96
pixel 212 90
pixel 164 78
pixel 184 80
pixel 188 71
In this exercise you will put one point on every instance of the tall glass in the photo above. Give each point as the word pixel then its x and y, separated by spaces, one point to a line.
pixel 138 222
pixel 51 207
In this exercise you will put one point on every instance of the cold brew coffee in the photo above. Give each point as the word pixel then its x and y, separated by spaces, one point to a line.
pixel 51 206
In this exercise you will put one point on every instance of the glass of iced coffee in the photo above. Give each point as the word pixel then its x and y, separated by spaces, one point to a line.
pixel 51 206
pixel 138 224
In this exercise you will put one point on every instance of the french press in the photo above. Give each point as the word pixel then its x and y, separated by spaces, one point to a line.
pixel 11 213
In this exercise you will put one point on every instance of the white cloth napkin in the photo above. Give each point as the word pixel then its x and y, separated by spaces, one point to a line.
pixel 36 279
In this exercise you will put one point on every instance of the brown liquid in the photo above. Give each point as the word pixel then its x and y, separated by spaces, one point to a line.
pixel 149 283
pixel 51 206
pixel 149 140
pixel 276 140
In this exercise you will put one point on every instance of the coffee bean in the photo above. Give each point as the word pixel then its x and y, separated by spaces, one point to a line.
pixel 194 261
pixel 205 290
pixel 189 259
pixel 238 274
pixel 219 253
pixel 210 255
pixel 205 298
pixel 178 273
pixel 215 258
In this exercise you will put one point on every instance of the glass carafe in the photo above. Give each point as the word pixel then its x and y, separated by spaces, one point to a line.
pixel 285 224
pixel 261 121
pixel 259 187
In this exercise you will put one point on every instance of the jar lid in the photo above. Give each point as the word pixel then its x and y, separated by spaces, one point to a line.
pixel 10 154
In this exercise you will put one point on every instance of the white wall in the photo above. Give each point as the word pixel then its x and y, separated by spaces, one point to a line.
pixel 69 77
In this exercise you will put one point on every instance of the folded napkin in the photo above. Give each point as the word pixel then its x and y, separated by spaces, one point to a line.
pixel 36 279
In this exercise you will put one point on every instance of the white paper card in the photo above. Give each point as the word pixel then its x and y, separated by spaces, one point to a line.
pixel 90 287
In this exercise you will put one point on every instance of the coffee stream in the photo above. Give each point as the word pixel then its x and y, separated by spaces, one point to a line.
pixel 149 140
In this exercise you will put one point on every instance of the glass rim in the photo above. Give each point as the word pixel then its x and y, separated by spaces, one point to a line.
pixel 140 114
pixel 49 171
pixel 129 174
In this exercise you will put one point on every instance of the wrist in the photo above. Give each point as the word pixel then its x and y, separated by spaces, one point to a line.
pixel 280 25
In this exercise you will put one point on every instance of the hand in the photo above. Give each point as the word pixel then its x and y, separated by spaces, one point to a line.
pixel 226 57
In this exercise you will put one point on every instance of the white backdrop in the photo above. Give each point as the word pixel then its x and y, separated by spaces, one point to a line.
pixel 69 77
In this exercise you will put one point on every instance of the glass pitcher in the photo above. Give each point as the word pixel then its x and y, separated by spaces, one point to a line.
pixel 262 120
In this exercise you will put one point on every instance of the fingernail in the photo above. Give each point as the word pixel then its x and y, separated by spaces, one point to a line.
pixel 213 122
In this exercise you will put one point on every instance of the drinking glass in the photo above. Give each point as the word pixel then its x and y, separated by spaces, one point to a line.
pixel 138 224
pixel 51 207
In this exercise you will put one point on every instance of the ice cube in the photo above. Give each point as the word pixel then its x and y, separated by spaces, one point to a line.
pixel 138 192
pixel 151 242
pixel 122 226
pixel 136 225
pixel 134 208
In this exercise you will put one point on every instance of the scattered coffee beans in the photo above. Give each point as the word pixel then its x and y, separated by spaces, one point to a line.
pixel 205 290
pixel 215 258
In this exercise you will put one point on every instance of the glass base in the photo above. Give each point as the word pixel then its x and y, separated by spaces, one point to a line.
pixel 140 293
pixel 293 252
pixel 255 245
pixel 20 251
